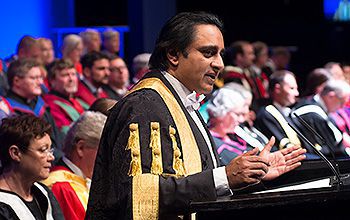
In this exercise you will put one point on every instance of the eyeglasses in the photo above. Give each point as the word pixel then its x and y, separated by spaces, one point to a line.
pixel 44 151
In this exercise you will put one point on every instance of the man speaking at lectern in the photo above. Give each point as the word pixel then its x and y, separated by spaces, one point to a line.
pixel 156 155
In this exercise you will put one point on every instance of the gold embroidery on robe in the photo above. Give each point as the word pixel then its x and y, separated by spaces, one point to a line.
pixel 190 151
pixel 178 165
pixel 145 199
pixel 134 147
pixel 155 145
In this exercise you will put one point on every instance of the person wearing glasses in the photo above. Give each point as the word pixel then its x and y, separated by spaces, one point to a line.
pixel 118 81
pixel 26 156
pixel 25 92
pixel 70 179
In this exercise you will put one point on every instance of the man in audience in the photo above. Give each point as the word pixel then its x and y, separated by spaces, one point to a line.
pixel 63 79
pixel 25 94
pixel 273 119
pixel 239 59
pixel 279 60
pixel 91 40
pixel 95 74
pixel 118 80
pixel 70 179
pixel 316 112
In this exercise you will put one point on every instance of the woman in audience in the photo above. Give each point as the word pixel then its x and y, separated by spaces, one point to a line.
pixel 26 156
pixel 225 111
pixel 72 49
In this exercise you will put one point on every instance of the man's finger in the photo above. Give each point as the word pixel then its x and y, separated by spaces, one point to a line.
pixel 268 146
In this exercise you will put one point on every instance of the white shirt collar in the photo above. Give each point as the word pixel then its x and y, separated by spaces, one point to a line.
pixel 285 110
pixel 320 101
pixel 76 170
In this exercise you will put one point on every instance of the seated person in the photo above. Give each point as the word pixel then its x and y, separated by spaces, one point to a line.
pixel 26 156
pixel 316 112
pixel 25 81
pixel 65 108
pixel 70 179
pixel 225 109
pixel 273 119
pixel 95 74
pixel 246 129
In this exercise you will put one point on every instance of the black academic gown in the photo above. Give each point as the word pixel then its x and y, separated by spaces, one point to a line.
pixel 330 148
pixel 111 190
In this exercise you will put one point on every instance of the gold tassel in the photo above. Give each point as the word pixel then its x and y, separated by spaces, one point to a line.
pixel 155 145
pixel 178 164
pixel 134 147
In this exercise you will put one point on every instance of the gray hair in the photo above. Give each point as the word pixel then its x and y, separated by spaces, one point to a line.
pixel 245 93
pixel 86 35
pixel 140 61
pixel 109 34
pixel 70 42
pixel 223 101
pixel 340 87
pixel 88 127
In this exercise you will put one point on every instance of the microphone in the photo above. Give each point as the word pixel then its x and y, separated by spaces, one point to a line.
pixel 340 180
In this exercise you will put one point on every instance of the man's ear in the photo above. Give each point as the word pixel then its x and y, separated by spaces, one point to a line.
pixel 15 153
pixel 173 57
pixel 16 81
pixel 277 88
pixel 80 145
pixel 87 72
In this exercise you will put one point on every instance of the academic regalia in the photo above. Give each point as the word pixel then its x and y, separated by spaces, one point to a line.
pixel 70 189
pixel 315 114
pixel 272 122
pixel 133 180
pixel 37 107
pixel 230 147
pixel 64 110
pixel 87 93
pixel 13 207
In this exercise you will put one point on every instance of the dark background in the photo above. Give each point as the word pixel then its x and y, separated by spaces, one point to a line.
pixel 299 24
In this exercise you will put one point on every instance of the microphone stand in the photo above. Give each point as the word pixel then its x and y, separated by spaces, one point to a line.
pixel 344 180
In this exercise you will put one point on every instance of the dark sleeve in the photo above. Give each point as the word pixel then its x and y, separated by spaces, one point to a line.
pixel 269 126
pixel 7 213
pixel 111 189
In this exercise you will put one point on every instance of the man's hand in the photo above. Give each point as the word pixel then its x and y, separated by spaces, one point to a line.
pixel 282 161
pixel 248 168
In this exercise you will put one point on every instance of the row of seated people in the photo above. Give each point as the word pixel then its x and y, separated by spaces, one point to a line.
pixel 236 129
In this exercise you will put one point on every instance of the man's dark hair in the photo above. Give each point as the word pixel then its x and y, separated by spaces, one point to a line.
pixel 278 78
pixel 58 65
pixel 232 51
pixel 20 68
pixel 88 59
pixel 20 131
pixel 177 34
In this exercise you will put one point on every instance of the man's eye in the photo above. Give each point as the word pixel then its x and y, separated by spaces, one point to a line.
pixel 208 53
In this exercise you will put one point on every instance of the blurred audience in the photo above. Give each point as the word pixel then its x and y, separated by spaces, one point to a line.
pixel 64 107
pixel 91 40
pixel 95 74
pixel 110 42
pixel 72 49
pixel 118 80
